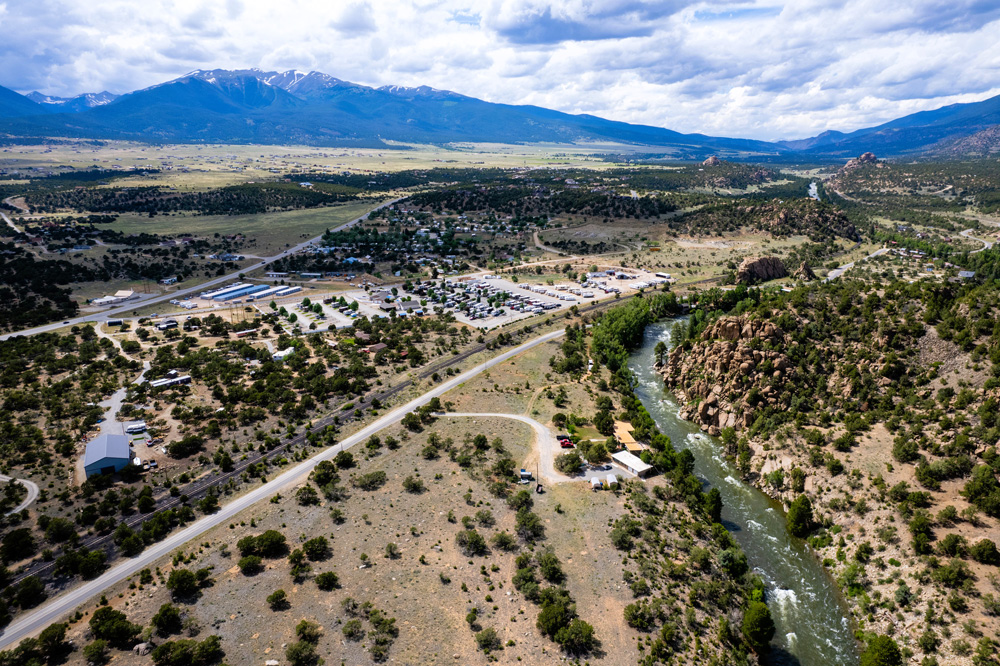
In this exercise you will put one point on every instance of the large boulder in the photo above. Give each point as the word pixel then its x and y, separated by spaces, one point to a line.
pixel 712 161
pixel 760 269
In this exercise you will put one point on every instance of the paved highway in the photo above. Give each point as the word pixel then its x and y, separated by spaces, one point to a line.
pixel 58 606
pixel 127 309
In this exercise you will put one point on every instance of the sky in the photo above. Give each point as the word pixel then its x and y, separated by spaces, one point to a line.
pixel 758 69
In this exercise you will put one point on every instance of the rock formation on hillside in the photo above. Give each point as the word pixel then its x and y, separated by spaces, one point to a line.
pixel 712 376
pixel 865 158
pixel 760 269
pixel 804 273
pixel 712 161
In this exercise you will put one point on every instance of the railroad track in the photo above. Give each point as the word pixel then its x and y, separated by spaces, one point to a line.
pixel 199 488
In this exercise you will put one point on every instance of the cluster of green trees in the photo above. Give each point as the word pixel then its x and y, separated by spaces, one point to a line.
pixel 59 378
pixel 557 617
pixel 621 328
pixel 525 200
pixel 686 176
pixel 33 291
pixel 966 183
pixel 574 351
pixel 243 199
pixel 819 221
pixel 383 628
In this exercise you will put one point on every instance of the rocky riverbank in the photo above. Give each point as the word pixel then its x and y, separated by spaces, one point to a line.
pixel 712 378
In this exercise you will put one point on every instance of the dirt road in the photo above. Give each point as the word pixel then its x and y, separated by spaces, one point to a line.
pixel 62 604
pixel 32 493
pixel 545 443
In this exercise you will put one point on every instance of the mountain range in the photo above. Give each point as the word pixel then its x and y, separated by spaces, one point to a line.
pixel 255 106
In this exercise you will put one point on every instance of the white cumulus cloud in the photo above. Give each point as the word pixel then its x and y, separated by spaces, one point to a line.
pixel 756 68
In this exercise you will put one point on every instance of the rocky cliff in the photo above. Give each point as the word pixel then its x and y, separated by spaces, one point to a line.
pixel 760 269
pixel 723 379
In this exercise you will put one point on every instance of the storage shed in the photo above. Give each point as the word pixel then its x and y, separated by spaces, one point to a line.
pixel 595 484
pixel 631 463
pixel 107 454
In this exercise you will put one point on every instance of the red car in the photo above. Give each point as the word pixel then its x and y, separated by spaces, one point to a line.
pixel 565 443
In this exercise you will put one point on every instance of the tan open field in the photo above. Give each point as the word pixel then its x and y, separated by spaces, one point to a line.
pixel 430 613
pixel 202 166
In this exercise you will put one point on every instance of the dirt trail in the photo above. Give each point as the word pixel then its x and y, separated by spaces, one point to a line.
pixel 545 443
pixel 32 493
pixel 114 403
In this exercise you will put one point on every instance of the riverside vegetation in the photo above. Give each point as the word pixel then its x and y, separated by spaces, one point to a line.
pixel 870 410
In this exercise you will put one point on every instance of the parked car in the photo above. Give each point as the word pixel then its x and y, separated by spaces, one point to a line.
pixel 566 444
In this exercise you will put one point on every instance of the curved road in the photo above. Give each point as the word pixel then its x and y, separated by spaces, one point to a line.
pixel 546 441
pixel 837 272
pixel 62 604
pixel 125 309
pixel 546 248
pixel 986 244
pixel 10 223
pixel 32 493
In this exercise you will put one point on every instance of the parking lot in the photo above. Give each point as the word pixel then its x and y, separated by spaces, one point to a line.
pixel 490 301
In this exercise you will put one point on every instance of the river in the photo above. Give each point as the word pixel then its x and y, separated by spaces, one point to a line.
pixel 809 614
pixel 814 191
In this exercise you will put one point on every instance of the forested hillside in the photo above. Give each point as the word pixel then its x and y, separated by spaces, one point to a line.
pixel 875 407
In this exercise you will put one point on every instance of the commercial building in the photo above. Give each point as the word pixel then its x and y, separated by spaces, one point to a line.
pixel 107 454
pixel 267 293
pixel 237 293
pixel 170 381
pixel 631 463
pixel 282 354
pixel 118 297
pixel 223 290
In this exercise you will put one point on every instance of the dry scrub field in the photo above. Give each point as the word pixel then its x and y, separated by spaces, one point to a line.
pixel 429 612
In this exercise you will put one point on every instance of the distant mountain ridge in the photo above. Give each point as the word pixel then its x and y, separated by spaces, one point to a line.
pixel 73 104
pixel 313 108
pixel 915 134
pixel 256 106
